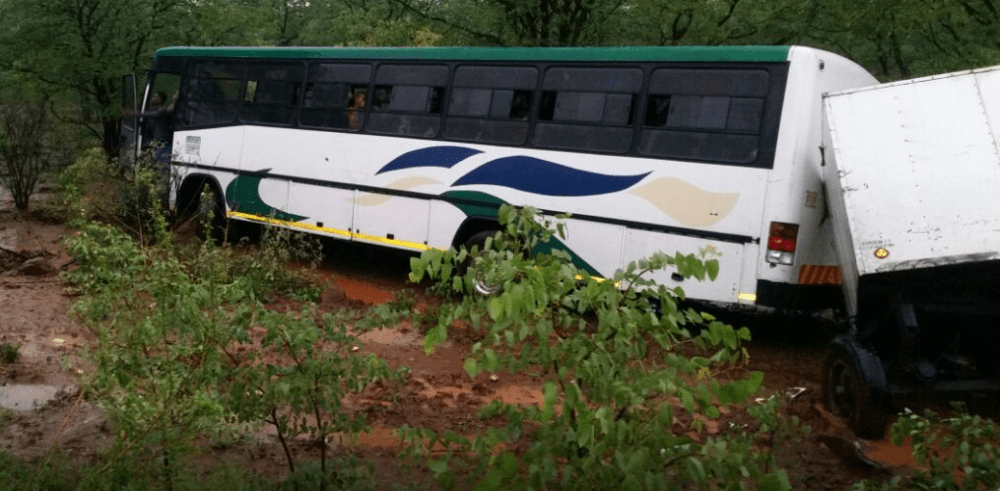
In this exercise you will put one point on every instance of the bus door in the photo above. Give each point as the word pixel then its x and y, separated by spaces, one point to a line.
pixel 129 127
pixel 157 125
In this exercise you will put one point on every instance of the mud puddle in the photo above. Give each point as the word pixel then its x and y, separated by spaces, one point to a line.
pixel 25 397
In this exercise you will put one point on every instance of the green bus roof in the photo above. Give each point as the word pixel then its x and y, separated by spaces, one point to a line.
pixel 622 53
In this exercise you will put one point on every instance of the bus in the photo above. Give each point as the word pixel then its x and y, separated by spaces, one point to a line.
pixel 709 150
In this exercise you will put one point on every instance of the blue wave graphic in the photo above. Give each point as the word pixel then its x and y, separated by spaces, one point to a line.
pixel 546 178
pixel 441 156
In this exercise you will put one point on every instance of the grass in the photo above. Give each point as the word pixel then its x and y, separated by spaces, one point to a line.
pixel 9 353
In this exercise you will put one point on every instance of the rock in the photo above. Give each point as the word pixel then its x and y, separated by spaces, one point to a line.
pixel 36 266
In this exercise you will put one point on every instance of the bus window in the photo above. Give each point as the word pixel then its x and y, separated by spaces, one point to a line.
pixel 588 108
pixel 213 93
pixel 331 91
pixel 709 115
pixel 491 104
pixel 272 94
pixel 407 100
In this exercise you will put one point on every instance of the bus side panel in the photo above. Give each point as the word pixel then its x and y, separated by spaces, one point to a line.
pixel 207 150
pixel 643 243
pixel 598 244
pixel 330 210
pixel 394 221
pixel 445 219
pixel 216 147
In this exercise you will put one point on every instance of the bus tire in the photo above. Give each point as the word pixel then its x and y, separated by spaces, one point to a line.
pixel 206 211
pixel 479 283
pixel 855 387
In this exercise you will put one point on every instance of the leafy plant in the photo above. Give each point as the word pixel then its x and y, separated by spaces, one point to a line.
pixel 627 390
pixel 297 375
pixel 9 352
pixel 24 148
pixel 170 321
pixel 955 453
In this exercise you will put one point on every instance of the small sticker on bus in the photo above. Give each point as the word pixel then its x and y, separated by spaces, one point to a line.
pixel 193 145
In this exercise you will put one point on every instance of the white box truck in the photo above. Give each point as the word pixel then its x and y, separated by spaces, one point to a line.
pixel 912 176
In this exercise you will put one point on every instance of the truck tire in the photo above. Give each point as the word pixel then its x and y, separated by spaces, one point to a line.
pixel 855 388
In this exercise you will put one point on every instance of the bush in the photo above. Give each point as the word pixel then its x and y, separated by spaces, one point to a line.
pixel 24 148
pixel 9 353
pixel 953 453
pixel 86 187
pixel 627 391
pixel 175 359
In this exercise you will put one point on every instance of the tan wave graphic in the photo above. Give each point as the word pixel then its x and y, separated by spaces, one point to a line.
pixel 372 199
pixel 687 203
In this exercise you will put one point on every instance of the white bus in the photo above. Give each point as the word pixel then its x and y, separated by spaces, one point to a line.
pixel 712 150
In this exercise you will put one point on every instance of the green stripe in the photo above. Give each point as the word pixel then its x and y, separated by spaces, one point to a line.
pixel 606 54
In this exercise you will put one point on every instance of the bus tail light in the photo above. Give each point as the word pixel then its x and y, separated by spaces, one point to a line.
pixel 781 243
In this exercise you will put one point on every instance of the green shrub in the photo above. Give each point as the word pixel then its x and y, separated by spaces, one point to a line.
pixel 952 453
pixel 9 353
pixel 84 187
pixel 627 391
pixel 168 320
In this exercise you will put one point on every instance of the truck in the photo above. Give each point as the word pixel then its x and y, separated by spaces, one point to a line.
pixel 912 178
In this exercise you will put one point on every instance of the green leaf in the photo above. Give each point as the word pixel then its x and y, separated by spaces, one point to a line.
pixel 437 466
pixel 712 266
pixel 585 433
pixel 549 390
pixel 738 391
pixel 491 360
pixel 637 460
pixel 776 481
pixel 495 307
pixel 697 470
pixel 471 367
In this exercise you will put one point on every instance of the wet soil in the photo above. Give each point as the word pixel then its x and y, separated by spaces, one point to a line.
pixel 437 394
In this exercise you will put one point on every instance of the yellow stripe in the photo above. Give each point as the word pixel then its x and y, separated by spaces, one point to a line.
pixel 349 234
pixel 327 230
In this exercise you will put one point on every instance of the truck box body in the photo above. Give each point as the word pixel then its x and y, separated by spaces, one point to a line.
pixel 913 187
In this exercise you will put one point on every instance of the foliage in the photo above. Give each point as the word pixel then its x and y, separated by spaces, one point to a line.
pixel 9 353
pixel 268 265
pixel 81 197
pixel 954 453
pixel 909 38
pixel 24 148
pixel 18 474
pixel 627 391
pixel 302 393
pixel 175 358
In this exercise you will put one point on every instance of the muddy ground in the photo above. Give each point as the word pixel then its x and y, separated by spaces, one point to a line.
pixel 35 312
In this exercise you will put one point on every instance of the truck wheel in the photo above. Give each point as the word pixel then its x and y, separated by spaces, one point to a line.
pixel 854 387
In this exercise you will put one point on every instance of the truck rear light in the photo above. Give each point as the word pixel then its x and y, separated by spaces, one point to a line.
pixel 781 243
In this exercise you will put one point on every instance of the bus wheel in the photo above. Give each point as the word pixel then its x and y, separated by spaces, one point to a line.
pixel 209 214
pixel 854 387
pixel 481 281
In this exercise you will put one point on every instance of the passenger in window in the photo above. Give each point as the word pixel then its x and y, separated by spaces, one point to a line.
pixel 520 105
pixel 355 111
pixel 382 96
